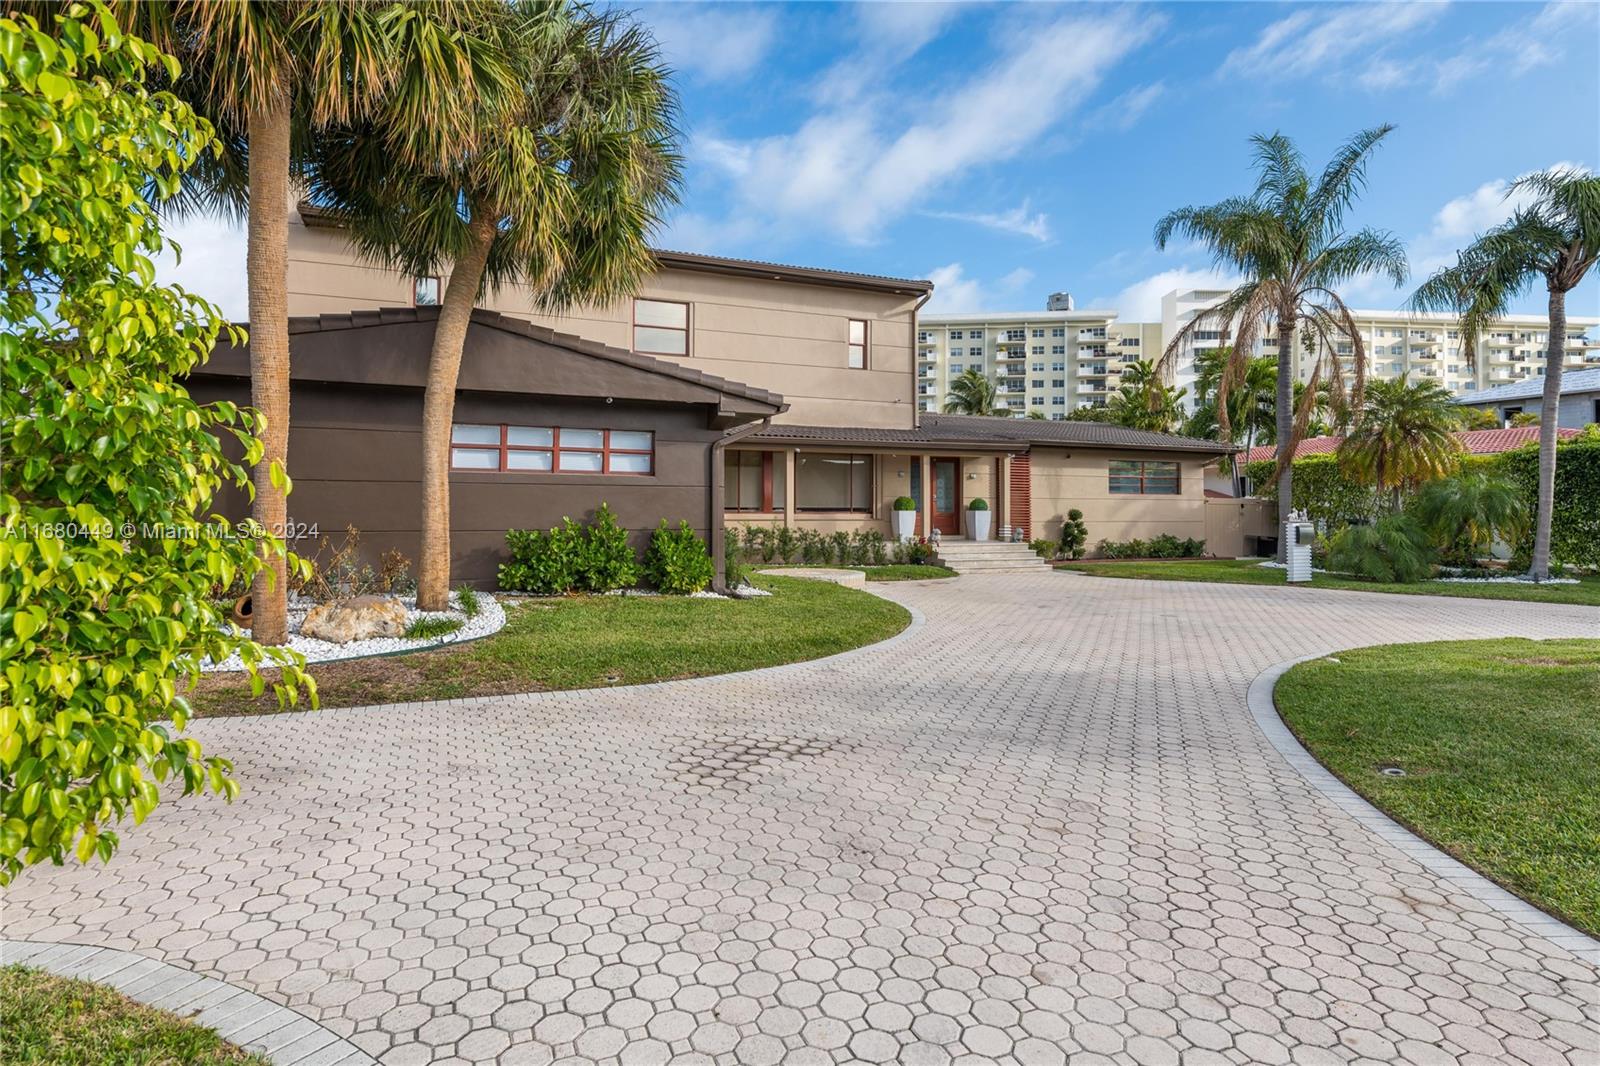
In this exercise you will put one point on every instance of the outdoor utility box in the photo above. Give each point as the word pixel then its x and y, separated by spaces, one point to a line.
pixel 1298 537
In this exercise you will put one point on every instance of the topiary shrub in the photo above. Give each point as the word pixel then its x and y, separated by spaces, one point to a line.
pixel 904 503
pixel 1395 548
pixel 978 504
pixel 677 560
pixel 1074 535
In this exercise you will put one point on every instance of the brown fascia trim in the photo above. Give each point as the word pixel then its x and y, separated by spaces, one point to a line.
pixel 315 217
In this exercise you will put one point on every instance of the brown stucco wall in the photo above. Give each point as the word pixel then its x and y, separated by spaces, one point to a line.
pixel 355 454
pixel 1078 477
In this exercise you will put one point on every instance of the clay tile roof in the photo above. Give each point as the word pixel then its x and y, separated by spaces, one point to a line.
pixel 1474 441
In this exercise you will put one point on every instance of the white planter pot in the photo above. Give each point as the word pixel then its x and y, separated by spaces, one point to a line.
pixel 978 523
pixel 905 524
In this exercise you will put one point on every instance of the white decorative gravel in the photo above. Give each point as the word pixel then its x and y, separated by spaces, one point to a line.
pixel 1510 579
pixel 489 619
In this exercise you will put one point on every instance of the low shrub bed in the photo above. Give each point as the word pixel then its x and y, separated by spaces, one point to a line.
pixel 1165 546
pixel 597 557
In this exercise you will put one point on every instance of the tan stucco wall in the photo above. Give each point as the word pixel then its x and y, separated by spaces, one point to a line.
pixel 1230 522
pixel 784 336
pixel 1063 479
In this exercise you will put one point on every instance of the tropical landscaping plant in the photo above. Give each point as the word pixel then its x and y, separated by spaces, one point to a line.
pixel 1466 513
pixel 1556 238
pixel 557 194
pixel 972 392
pixel 110 560
pixel 1575 504
pixel 1393 548
pixel 1287 240
pixel 1143 400
pixel 1403 436
pixel 677 560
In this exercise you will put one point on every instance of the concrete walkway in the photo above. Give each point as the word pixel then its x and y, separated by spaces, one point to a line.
pixel 1044 826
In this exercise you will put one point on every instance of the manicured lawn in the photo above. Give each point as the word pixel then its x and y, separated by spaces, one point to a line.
pixel 588 641
pixel 46 1019
pixel 890 572
pixel 1247 572
pixel 1500 744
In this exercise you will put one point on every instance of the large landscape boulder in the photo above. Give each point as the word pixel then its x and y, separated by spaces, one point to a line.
pixel 358 618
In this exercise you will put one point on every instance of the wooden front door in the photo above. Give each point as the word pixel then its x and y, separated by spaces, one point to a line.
pixel 947 496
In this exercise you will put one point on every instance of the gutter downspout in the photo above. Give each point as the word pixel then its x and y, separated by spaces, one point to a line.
pixel 716 530
pixel 916 407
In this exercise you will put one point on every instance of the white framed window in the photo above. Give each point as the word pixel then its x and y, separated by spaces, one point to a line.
pixel 856 345
pixel 425 291
pixel 1038 333
pixel 660 327
pixel 1058 331
pixel 956 335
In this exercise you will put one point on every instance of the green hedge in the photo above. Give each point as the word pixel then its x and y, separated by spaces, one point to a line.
pixel 1321 490
pixel 1575 522
pixel 1333 500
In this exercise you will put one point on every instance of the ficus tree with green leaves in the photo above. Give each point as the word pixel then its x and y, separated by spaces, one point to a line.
pixel 110 565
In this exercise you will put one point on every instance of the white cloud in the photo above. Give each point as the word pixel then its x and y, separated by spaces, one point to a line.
pixel 955 293
pixel 713 42
pixel 1520 48
pixel 1317 41
pixel 212 264
pixel 907 27
pixel 1127 109
pixel 1141 301
pixel 1465 217
pixel 1021 220
pixel 854 166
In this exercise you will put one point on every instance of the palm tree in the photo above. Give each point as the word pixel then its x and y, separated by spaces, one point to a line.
pixel 1144 401
pixel 1287 240
pixel 268 76
pixel 1467 512
pixel 1557 238
pixel 1404 435
pixel 568 177
pixel 973 393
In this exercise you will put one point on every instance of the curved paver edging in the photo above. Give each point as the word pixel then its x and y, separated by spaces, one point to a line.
pixel 284 1035
pixel 1264 709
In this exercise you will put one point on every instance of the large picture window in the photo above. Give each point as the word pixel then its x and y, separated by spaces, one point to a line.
pixel 661 327
pixel 551 449
pixel 1132 477
pixel 753 481
pixel 826 482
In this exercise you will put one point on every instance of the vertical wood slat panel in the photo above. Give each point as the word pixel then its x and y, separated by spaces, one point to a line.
pixel 1021 495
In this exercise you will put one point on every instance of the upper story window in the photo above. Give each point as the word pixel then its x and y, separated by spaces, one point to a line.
pixel 924 337
pixel 660 327
pixel 957 335
pixel 975 334
pixel 1058 349
pixel 425 291
pixel 1135 477
pixel 1016 334
pixel 856 348
pixel 551 449
pixel 1058 331
pixel 1038 349
pixel 1038 333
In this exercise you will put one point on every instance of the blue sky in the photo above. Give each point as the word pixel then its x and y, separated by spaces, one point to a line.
pixel 1010 150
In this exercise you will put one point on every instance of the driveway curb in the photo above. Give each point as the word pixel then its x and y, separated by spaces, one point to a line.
pixel 284 1035
pixel 1264 710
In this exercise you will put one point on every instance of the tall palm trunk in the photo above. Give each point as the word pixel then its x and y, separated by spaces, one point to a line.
pixel 1549 423
pixel 438 411
pixel 267 257
pixel 1285 419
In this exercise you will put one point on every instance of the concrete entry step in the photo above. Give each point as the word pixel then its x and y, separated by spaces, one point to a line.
pixel 989 556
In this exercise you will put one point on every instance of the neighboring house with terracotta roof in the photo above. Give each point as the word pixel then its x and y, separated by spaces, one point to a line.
pixel 724 391
pixel 1579 407
pixel 1474 441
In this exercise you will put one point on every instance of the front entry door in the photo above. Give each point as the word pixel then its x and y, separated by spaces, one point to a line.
pixel 947 496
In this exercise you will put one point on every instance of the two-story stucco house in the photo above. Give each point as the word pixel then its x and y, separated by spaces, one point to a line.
pixel 725 390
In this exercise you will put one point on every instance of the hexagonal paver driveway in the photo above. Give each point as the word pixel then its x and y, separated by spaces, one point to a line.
pixel 1042 827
